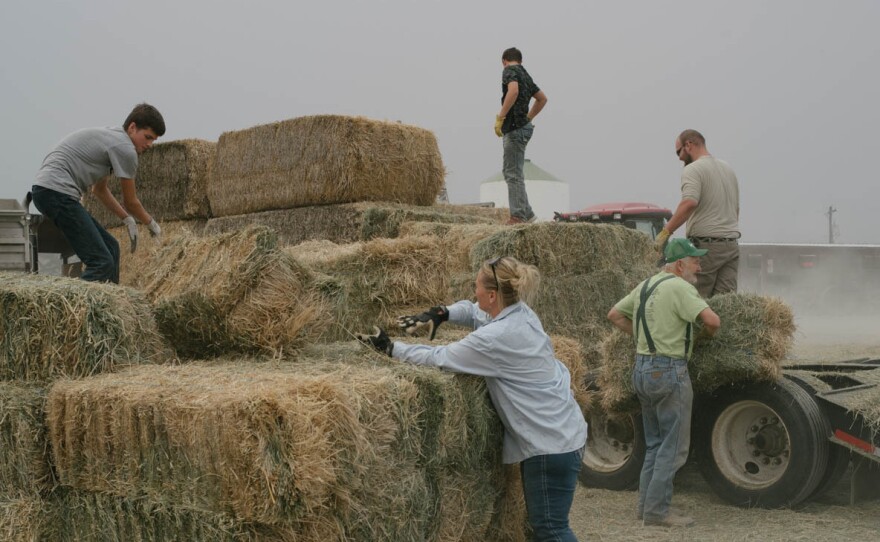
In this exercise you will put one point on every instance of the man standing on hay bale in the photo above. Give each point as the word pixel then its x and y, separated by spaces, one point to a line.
pixel 665 306
pixel 514 124
pixel 84 160
pixel 710 205
pixel 544 429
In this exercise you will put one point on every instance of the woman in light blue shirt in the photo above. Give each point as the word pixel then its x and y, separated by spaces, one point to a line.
pixel 544 429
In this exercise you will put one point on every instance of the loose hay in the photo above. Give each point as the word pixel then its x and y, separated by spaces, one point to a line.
pixel 171 183
pixel 231 292
pixel 324 159
pixel 756 333
pixel 53 327
pixel 24 450
pixel 23 519
pixel 350 222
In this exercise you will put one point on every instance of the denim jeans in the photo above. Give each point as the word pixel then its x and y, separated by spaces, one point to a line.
pixel 549 482
pixel 664 389
pixel 94 246
pixel 514 160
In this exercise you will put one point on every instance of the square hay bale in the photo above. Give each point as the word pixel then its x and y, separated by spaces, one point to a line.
pixel 756 333
pixel 24 445
pixel 332 439
pixel 231 292
pixel 350 222
pixel 456 241
pixel 53 327
pixel 24 519
pixel 324 159
pixel 132 265
pixel 372 283
pixel 172 181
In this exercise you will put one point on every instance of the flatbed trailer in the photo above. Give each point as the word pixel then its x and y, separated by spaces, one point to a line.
pixel 762 444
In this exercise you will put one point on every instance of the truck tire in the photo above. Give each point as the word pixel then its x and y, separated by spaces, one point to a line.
pixel 615 451
pixel 763 444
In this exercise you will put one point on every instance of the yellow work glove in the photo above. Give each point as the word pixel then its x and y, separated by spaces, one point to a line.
pixel 499 120
pixel 661 240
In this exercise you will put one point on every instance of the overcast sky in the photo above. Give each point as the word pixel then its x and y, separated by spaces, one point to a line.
pixel 786 91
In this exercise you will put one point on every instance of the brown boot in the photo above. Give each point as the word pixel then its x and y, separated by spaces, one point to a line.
pixel 673 519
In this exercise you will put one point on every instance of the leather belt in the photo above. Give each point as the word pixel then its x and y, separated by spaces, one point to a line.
pixel 712 239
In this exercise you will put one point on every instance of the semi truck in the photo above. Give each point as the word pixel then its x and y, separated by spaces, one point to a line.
pixel 764 444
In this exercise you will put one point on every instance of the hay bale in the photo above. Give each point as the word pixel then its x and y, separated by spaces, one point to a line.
pixel 53 327
pixel 23 519
pixel 172 181
pixel 349 222
pixel 332 439
pixel 371 283
pixel 231 292
pixel 324 159
pixel 569 249
pixel 456 242
pixel 132 266
pixel 864 402
pixel 756 333
pixel 24 446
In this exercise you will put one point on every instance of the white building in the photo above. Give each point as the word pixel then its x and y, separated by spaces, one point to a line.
pixel 547 194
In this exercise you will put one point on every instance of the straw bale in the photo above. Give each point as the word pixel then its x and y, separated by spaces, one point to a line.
pixel 456 240
pixel 324 159
pixel 372 283
pixel 756 333
pixel 349 222
pixel 568 249
pixel 23 519
pixel 231 292
pixel 172 181
pixel 24 450
pixel 52 327
pixel 132 265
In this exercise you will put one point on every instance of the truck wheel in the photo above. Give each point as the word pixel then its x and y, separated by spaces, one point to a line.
pixel 763 445
pixel 615 451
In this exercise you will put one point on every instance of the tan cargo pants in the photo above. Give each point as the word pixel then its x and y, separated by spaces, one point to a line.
pixel 718 268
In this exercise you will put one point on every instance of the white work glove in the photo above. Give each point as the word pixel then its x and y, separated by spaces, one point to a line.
pixel 155 230
pixel 132 231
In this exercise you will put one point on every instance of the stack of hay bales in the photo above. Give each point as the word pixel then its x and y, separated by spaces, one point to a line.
pixel 51 328
pixel 756 333
pixel 321 160
pixel 172 182
pixel 231 292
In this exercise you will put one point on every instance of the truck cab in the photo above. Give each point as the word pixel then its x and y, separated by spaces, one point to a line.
pixel 644 217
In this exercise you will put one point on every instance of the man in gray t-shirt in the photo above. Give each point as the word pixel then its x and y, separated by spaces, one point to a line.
pixel 710 205
pixel 84 160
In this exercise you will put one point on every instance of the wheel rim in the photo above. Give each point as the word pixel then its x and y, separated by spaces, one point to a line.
pixel 610 442
pixel 751 445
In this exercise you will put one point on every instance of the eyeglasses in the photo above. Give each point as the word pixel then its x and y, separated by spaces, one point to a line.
pixel 678 150
pixel 492 264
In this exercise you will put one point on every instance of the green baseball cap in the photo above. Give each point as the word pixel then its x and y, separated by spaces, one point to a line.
pixel 679 248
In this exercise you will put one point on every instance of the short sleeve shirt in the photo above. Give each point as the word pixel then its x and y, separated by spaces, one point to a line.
pixel 674 304
pixel 518 116
pixel 712 184
pixel 85 157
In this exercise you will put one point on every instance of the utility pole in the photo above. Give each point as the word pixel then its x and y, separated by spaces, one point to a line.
pixel 830 214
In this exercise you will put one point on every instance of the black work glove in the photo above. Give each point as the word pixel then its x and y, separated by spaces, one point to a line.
pixel 378 340
pixel 432 318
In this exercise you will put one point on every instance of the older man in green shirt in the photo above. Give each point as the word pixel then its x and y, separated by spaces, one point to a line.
pixel 664 308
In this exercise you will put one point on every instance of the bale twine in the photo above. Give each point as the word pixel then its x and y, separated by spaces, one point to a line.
pixel 324 159
pixel 756 333
pixel 350 222
pixel 231 292
pixel 53 327
pixel 172 181
pixel 24 453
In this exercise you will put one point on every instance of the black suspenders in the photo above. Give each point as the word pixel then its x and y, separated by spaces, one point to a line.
pixel 642 320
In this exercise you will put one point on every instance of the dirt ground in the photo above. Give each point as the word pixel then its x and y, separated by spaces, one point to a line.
pixel 610 515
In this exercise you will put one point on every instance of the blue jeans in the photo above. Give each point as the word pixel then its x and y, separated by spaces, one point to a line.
pixel 665 392
pixel 549 482
pixel 97 249
pixel 514 160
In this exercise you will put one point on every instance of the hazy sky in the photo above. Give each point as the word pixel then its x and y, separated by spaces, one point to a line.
pixel 785 90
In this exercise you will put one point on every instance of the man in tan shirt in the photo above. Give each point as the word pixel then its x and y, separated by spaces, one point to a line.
pixel 710 206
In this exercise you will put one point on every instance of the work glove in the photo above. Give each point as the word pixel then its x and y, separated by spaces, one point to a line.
pixel 661 240
pixel 378 340
pixel 132 231
pixel 431 318
pixel 155 229
pixel 499 121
